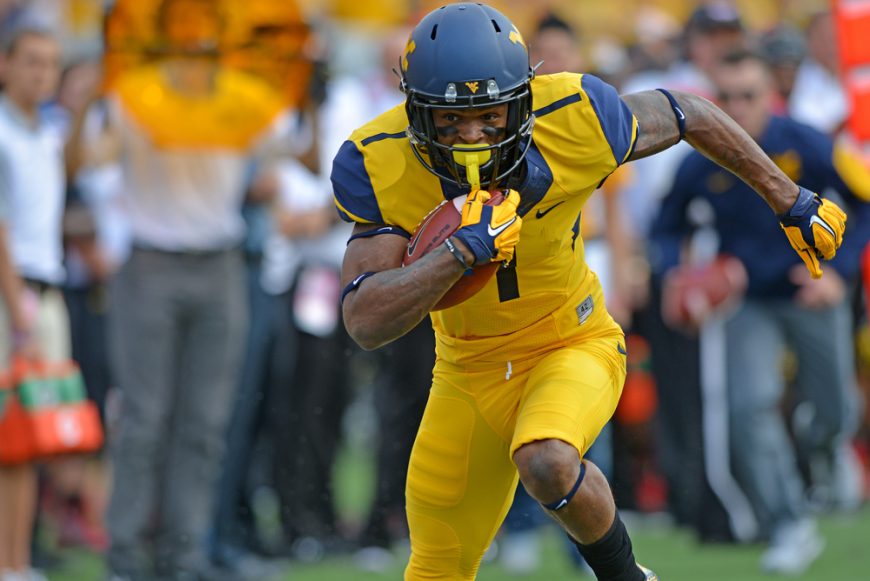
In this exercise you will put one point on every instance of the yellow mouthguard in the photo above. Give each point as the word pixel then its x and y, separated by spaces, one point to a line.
pixel 471 160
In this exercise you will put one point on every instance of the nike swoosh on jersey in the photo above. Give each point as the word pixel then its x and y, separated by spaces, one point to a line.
pixel 541 213
pixel 500 229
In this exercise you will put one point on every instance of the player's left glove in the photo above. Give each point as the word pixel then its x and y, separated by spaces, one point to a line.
pixel 490 232
pixel 814 227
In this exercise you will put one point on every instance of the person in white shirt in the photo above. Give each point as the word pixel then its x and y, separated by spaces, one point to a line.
pixel 33 318
pixel 818 98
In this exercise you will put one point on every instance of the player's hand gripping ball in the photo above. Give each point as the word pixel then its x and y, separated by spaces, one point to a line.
pixel 489 230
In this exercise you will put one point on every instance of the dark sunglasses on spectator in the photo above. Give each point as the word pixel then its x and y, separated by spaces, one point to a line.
pixel 725 97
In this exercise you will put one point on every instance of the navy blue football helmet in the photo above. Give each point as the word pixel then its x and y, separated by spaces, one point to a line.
pixel 467 55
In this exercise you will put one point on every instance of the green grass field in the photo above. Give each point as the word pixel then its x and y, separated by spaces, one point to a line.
pixel 673 554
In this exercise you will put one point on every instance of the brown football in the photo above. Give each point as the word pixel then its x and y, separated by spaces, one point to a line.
pixel 431 233
pixel 693 293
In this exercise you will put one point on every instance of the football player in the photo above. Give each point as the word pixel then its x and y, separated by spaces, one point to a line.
pixel 529 369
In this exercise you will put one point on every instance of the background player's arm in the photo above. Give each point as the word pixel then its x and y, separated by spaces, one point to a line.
pixel 389 304
pixel 714 134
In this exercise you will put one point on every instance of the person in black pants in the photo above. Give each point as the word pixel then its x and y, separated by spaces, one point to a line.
pixel 400 399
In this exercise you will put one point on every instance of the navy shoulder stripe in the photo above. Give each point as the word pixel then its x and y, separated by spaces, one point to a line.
pixel 613 114
pixel 563 102
pixel 352 187
pixel 382 136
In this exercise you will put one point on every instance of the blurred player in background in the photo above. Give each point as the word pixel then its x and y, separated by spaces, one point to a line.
pixel 784 307
pixel 530 369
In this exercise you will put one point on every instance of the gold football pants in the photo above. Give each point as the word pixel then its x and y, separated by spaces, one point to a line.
pixel 461 477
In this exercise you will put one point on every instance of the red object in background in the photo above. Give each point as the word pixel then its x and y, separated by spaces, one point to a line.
pixel 852 19
pixel 431 233
pixel 16 446
pixel 857 85
pixel 865 272
pixel 46 413
pixel 639 399
pixel 862 449
pixel 853 29
pixel 692 293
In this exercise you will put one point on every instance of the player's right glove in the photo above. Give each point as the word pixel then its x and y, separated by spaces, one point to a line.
pixel 490 232
pixel 814 227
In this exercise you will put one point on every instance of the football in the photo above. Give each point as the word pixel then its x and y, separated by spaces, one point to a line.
pixel 692 294
pixel 432 231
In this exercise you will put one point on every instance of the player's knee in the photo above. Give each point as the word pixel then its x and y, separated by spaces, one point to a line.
pixel 547 468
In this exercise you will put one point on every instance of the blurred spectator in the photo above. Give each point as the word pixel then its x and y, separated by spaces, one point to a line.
pixel 87 261
pixel 298 270
pixel 556 46
pixel 178 308
pixel 784 49
pixel 402 376
pixel 72 498
pixel 818 98
pixel 75 23
pixel 257 435
pixel 31 197
pixel 282 433
pixel 783 309
pixel 712 30
pixel 657 48
pixel 263 407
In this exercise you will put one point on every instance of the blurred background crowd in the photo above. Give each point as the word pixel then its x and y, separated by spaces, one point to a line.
pixel 166 222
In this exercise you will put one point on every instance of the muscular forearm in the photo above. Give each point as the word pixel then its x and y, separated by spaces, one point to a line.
pixel 713 133
pixel 391 303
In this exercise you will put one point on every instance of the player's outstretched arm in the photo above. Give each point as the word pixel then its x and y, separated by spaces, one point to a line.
pixel 712 132
pixel 814 227
pixel 392 301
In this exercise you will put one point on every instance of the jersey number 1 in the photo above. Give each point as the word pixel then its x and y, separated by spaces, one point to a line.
pixel 506 279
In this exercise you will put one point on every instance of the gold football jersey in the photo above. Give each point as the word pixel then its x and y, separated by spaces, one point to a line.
pixel 547 296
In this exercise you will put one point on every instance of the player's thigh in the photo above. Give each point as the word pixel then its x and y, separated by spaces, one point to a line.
pixel 572 393
pixel 460 484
